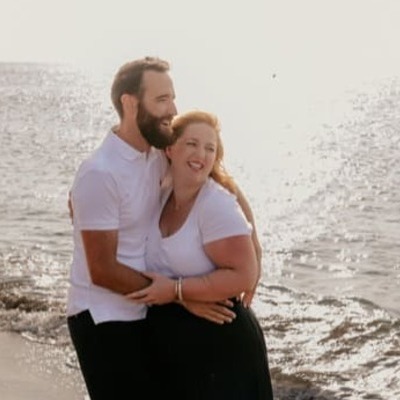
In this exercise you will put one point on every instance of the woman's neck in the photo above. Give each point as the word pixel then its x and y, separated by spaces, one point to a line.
pixel 183 195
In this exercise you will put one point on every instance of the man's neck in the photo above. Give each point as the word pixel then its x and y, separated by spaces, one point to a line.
pixel 132 136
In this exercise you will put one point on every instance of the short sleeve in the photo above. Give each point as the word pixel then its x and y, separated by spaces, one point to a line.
pixel 95 201
pixel 221 217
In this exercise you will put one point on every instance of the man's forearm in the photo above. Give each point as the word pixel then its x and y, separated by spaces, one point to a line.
pixel 120 278
pixel 104 268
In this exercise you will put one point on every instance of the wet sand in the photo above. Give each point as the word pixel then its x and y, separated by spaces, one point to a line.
pixel 26 375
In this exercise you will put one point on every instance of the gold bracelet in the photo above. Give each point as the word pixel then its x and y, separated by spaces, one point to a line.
pixel 176 289
pixel 179 289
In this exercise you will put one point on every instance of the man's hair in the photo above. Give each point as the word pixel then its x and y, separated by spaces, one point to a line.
pixel 128 79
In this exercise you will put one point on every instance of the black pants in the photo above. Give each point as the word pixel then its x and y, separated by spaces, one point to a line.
pixel 112 356
pixel 194 359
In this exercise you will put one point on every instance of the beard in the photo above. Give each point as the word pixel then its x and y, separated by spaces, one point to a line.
pixel 152 129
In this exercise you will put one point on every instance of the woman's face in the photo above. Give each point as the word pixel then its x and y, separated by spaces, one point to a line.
pixel 194 153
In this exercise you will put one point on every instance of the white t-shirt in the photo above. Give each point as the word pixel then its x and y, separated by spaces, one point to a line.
pixel 215 215
pixel 116 188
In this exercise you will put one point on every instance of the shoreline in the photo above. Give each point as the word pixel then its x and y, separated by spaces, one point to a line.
pixel 36 371
pixel 31 371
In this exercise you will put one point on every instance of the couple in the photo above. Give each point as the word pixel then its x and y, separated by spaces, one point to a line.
pixel 162 253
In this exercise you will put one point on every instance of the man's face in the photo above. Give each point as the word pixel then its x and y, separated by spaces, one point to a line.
pixel 156 108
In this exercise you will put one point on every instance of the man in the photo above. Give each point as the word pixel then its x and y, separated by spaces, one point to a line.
pixel 114 196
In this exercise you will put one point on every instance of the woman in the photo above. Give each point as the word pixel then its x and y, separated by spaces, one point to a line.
pixel 200 248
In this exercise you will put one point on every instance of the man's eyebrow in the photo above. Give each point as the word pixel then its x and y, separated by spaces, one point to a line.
pixel 163 96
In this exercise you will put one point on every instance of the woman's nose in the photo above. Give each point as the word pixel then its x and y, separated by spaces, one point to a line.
pixel 201 152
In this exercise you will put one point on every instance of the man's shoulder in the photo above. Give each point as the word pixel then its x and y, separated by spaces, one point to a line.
pixel 102 157
pixel 97 161
pixel 97 165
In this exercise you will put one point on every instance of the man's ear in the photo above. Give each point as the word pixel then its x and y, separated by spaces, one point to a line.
pixel 168 152
pixel 129 102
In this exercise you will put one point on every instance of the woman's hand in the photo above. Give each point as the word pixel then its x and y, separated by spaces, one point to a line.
pixel 160 291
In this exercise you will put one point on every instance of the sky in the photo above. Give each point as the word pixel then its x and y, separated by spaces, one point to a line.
pixel 232 57
pixel 276 34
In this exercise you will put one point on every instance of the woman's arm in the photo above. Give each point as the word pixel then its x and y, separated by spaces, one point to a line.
pixel 228 244
pixel 236 272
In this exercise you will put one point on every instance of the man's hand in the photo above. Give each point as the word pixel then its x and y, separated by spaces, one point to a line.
pixel 218 313
pixel 247 297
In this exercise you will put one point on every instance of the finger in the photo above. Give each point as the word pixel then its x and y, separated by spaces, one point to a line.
pixel 133 296
pixel 137 295
pixel 213 318
pixel 210 315
pixel 148 274
pixel 225 312
pixel 142 300
pixel 247 299
pixel 223 316
pixel 227 303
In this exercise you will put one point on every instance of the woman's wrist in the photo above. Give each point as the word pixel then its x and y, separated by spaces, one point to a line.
pixel 178 289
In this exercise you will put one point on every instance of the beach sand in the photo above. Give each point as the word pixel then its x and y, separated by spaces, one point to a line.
pixel 31 371
pixel 34 371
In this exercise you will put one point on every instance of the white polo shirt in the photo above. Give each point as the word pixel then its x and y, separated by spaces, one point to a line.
pixel 116 188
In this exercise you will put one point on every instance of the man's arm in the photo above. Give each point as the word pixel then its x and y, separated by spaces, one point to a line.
pixel 101 255
pixel 106 271
pixel 94 208
pixel 245 206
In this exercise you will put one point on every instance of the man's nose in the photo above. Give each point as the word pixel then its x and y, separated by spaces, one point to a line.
pixel 172 108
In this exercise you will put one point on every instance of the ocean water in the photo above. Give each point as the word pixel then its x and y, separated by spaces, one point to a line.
pixel 325 191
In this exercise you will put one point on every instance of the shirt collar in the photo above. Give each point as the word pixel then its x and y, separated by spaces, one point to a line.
pixel 128 152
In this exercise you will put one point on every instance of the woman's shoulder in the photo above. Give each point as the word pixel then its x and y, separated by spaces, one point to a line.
pixel 213 194
pixel 215 189
pixel 220 215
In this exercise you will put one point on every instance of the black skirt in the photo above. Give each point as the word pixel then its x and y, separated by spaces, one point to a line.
pixel 194 359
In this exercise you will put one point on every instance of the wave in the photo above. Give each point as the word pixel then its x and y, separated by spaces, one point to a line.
pixel 324 347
